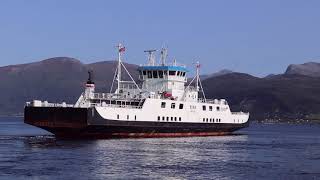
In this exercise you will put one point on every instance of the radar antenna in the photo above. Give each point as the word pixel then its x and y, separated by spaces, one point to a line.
pixel 151 58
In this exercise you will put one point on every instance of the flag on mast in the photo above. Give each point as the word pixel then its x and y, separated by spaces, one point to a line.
pixel 122 49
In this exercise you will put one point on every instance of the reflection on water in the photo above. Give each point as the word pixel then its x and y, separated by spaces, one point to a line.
pixel 260 152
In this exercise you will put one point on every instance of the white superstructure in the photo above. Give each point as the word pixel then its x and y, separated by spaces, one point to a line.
pixel 162 97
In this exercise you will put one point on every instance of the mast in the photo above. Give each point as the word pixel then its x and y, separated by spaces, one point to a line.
pixel 197 75
pixel 164 54
pixel 199 84
pixel 120 50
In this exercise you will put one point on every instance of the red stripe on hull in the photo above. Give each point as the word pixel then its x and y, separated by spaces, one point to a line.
pixel 141 135
pixel 147 135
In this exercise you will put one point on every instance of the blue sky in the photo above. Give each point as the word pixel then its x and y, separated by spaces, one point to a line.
pixel 256 37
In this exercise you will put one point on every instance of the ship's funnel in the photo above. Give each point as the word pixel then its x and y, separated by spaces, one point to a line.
pixel 90 87
pixel 90 78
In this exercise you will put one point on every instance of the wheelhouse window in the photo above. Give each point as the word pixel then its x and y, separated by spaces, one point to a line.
pixel 163 104
pixel 204 107
pixel 155 74
pixel 165 73
pixel 178 73
pixel 172 73
pixel 173 105
pixel 149 74
pixel 144 73
pixel 180 106
pixel 160 74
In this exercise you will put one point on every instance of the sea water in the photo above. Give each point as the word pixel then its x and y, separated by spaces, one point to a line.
pixel 262 151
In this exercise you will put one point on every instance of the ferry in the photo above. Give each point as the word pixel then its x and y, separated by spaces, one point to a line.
pixel 164 104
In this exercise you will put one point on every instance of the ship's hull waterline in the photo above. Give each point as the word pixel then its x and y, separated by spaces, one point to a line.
pixel 69 122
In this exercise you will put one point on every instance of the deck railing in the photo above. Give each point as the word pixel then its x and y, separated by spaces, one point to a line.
pixel 240 113
pixel 47 104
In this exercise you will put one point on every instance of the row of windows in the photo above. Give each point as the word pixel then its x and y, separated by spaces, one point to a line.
pixel 211 120
pixel 173 105
pixel 238 120
pixel 128 117
pixel 204 107
pixel 169 118
pixel 161 74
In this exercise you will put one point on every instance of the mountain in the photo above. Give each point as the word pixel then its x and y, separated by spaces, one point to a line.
pixel 219 73
pixel 308 69
pixel 280 97
pixel 56 79
pixel 288 96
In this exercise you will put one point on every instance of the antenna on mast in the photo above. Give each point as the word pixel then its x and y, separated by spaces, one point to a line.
pixel 197 75
pixel 198 81
pixel 164 55
pixel 151 57
pixel 117 73
pixel 121 49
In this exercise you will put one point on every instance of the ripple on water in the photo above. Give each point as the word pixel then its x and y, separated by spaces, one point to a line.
pixel 259 152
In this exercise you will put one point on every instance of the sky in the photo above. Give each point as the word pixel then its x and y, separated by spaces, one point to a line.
pixel 249 36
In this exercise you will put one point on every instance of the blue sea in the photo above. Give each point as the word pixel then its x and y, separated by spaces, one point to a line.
pixel 262 151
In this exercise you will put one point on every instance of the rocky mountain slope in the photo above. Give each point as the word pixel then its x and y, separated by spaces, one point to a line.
pixel 281 97
pixel 55 79
pixel 308 69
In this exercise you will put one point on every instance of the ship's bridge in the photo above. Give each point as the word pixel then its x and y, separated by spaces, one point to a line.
pixel 164 79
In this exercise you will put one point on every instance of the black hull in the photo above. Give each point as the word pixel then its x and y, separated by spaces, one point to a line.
pixel 87 123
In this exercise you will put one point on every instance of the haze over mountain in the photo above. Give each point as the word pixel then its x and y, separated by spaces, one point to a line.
pixel 289 96
pixel 219 73
pixel 309 69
